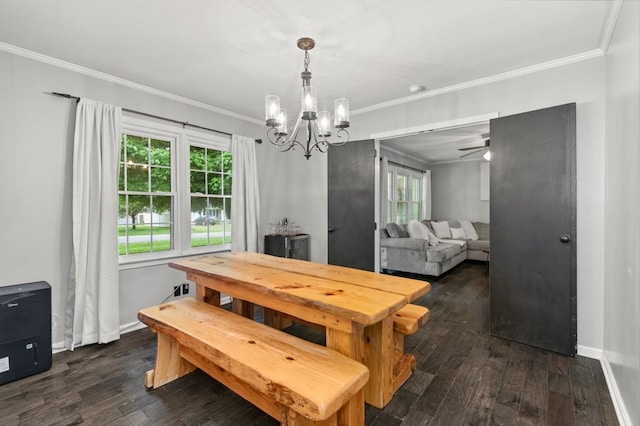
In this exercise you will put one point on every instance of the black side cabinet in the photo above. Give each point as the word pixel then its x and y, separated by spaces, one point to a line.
pixel 294 246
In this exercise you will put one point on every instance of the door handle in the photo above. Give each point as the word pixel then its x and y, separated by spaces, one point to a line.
pixel 565 238
pixel 331 229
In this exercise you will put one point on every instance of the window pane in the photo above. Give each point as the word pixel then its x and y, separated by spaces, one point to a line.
pixel 227 162
pixel 227 184
pixel 198 183
pixel 402 213
pixel 160 153
pixel 137 150
pixel 160 179
pixel 198 158
pixel 415 214
pixel 214 183
pixel 214 160
pixel 416 189
pixel 390 186
pixel 137 178
pixel 401 188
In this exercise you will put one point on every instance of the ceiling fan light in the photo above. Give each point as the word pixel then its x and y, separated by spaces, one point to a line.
pixel 487 155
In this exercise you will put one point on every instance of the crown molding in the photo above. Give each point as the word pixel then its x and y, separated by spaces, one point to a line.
pixel 485 80
pixel 607 32
pixel 610 25
pixel 121 81
pixel 605 38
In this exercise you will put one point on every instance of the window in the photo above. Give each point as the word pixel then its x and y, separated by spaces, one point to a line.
pixel 145 195
pixel 210 177
pixel 404 195
pixel 174 192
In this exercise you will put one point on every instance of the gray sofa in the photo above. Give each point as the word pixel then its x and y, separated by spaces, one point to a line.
pixel 399 252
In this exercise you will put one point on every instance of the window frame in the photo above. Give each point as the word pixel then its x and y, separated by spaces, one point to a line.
pixel 392 213
pixel 181 139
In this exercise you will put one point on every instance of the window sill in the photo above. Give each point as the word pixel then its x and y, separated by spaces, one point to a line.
pixel 128 263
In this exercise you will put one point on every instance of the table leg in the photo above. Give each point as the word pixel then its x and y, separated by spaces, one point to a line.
pixel 274 319
pixel 207 295
pixel 379 358
pixel 352 345
pixel 242 307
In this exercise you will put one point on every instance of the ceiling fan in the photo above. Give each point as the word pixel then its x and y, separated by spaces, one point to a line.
pixel 476 149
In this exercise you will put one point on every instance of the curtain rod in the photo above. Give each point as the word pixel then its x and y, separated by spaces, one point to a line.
pixel 406 167
pixel 184 123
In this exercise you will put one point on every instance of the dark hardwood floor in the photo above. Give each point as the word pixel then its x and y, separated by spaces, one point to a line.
pixel 464 377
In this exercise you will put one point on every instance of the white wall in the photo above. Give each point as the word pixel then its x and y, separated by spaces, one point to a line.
pixel 622 211
pixel 455 189
pixel 581 82
pixel 36 139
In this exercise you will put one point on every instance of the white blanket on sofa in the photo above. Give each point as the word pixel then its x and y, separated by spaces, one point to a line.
pixel 459 242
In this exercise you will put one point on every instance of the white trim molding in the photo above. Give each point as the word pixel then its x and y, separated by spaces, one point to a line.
pixel 614 391
pixel 121 81
pixel 430 127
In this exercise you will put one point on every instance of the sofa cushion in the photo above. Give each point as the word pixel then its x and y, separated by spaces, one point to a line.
pixel 396 231
pixel 458 234
pixel 469 230
pixel 483 230
pixel 441 229
pixel 478 245
pixel 442 252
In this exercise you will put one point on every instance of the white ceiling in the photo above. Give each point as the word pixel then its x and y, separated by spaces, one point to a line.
pixel 230 54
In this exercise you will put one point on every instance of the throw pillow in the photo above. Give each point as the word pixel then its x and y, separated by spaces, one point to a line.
pixel 392 230
pixel 441 229
pixel 418 230
pixel 458 234
pixel 396 231
pixel 469 230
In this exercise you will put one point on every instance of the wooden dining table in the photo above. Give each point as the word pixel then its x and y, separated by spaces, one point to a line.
pixel 354 307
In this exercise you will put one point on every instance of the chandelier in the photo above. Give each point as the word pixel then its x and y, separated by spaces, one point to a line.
pixel 318 124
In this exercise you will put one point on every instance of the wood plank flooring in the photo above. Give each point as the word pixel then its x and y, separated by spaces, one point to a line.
pixel 464 377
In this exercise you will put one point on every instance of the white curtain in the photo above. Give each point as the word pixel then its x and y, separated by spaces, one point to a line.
pixel 245 199
pixel 92 313
pixel 426 195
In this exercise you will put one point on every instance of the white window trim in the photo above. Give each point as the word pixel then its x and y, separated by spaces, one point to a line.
pixel 395 171
pixel 181 139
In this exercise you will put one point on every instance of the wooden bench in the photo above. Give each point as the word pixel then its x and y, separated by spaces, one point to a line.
pixel 406 321
pixel 294 381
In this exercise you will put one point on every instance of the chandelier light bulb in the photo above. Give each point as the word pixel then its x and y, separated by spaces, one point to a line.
pixel 272 110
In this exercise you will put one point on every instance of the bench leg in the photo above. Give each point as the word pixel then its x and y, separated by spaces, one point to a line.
pixel 403 364
pixel 169 364
pixel 352 413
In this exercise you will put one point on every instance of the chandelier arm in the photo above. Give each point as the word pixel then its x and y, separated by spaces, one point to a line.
pixel 340 134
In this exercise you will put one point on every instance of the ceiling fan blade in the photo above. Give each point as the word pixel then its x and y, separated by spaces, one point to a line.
pixel 468 154
pixel 471 147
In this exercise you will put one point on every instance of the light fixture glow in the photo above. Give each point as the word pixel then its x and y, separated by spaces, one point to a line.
pixel 319 130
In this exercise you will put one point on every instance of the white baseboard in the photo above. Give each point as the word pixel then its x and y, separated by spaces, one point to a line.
pixel 616 398
pixel 590 352
pixel 58 347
